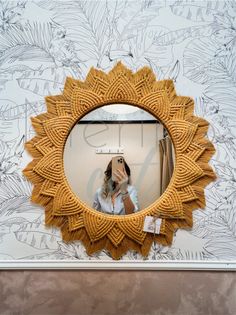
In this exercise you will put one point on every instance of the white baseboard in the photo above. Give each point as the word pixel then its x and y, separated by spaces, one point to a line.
pixel 119 265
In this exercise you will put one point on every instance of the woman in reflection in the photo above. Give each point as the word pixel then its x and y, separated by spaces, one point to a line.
pixel 119 196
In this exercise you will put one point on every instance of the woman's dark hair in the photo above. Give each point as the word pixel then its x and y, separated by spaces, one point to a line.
pixel 107 177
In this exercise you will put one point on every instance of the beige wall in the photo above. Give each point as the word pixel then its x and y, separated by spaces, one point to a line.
pixel 117 293
pixel 85 169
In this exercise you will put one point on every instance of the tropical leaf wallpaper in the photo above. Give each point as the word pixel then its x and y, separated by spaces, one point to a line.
pixel 192 42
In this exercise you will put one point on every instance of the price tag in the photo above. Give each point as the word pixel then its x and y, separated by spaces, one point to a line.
pixel 152 224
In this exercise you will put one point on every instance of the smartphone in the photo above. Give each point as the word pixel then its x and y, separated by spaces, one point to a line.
pixel 117 163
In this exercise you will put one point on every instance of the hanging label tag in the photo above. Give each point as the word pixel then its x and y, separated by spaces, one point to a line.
pixel 152 224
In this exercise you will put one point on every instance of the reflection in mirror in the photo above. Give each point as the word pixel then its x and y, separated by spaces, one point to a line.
pixel 118 159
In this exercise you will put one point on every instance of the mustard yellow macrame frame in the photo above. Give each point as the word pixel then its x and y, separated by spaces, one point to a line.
pixel 77 220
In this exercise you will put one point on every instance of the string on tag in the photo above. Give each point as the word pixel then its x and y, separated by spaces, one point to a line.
pixel 155 217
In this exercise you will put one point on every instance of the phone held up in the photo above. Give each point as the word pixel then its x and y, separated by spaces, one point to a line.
pixel 117 163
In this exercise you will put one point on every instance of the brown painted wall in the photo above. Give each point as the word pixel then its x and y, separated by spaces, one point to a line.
pixel 117 292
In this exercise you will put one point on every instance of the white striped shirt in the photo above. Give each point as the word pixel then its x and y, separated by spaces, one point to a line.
pixel 106 205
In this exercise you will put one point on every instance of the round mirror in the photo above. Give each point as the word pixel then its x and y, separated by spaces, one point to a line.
pixel 118 159
pixel 119 133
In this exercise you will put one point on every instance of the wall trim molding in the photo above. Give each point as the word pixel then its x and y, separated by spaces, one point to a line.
pixel 120 265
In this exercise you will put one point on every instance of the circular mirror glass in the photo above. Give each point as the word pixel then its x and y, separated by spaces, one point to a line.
pixel 118 159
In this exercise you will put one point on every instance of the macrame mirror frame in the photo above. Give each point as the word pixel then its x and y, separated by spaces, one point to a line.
pixel 76 220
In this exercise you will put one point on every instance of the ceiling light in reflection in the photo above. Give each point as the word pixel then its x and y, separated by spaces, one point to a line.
pixel 120 109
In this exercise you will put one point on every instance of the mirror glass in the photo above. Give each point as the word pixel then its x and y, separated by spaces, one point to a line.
pixel 141 148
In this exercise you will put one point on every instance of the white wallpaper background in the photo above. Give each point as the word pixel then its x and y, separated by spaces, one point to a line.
pixel 42 42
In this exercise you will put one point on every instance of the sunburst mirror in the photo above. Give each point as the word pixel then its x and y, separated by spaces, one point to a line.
pixel 117 232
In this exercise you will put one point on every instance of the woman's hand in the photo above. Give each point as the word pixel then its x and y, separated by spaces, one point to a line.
pixel 122 178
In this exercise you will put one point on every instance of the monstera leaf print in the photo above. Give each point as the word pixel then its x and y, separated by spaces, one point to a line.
pixel 180 35
pixel 16 111
pixel 204 12
pixel 222 242
pixel 211 61
pixel 222 87
pixel 31 43
pixel 35 235
pixel 10 159
pixel 46 82
pixel 199 56
pixel 15 195
pixel 199 11
pixel 104 29
pixel 86 25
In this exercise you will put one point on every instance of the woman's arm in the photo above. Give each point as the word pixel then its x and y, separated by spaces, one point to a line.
pixel 123 182
pixel 128 204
